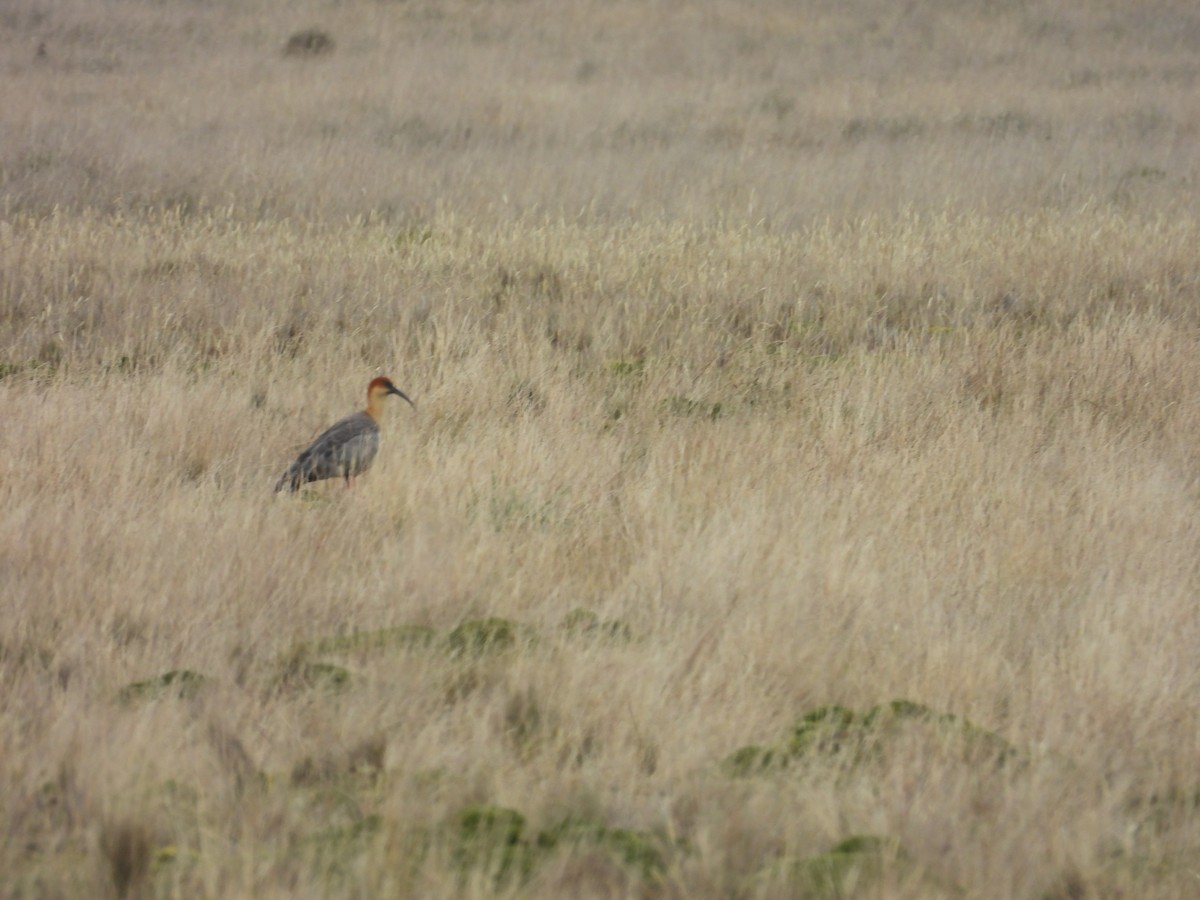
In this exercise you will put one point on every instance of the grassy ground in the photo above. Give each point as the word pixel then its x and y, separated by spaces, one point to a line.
pixel 800 499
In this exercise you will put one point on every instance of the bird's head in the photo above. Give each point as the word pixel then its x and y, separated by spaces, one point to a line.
pixel 378 389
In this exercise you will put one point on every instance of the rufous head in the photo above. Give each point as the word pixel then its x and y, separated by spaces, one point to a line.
pixel 379 388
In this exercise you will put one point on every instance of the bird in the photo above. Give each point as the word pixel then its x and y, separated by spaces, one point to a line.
pixel 347 447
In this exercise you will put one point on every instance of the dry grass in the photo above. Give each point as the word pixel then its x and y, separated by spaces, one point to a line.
pixel 743 111
pixel 765 361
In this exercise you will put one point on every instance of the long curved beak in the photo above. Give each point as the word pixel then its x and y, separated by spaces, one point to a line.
pixel 392 389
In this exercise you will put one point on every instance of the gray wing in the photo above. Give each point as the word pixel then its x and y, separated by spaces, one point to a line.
pixel 345 449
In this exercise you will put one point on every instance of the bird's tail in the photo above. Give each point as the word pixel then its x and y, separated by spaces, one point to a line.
pixel 289 481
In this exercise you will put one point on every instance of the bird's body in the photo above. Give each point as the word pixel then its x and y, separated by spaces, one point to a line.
pixel 345 449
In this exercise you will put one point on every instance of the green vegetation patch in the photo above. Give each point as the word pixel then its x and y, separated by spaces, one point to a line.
pixel 583 623
pixel 754 759
pixel 299 673
pixel 173 855
pixel 627 368
pixel 841 733
pixel 1165 811
pixel 644 852
pixel 844 871
pixel 495 839
pixel 491 838
pixel 45 364
pixel 481 637
pixel 399 637
pixel 301 666
pixel 324 675
pixel 412 236
pixel 182 683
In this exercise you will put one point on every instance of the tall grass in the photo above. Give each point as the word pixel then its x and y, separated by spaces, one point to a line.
pixel 772 366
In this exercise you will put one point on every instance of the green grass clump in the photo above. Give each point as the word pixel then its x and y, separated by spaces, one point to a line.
pixel 583 623
pixel 496 840
pixel 491 838
pixel 753 759
pixel 481 637
pixel 846 870
pixel 182 683
pixel 400 637
pixel 835 732
pixel 642 851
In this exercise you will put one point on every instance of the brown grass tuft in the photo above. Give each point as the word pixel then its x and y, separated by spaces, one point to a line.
pixel 127 847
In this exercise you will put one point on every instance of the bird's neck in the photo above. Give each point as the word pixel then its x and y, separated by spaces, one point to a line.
pixel 375 408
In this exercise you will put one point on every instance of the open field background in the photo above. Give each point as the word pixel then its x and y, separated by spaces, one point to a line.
pixel 801 498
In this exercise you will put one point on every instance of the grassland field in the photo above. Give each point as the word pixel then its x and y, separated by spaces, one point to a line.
pixel 801 497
